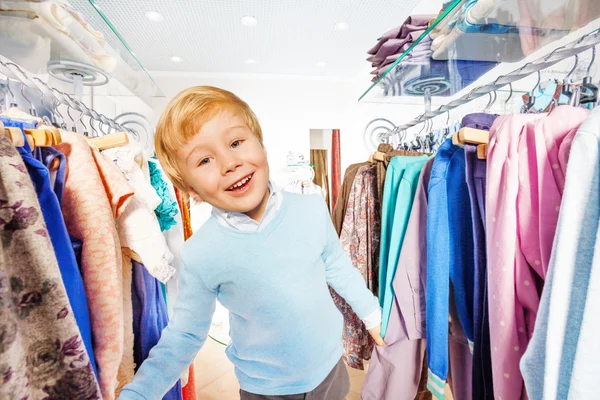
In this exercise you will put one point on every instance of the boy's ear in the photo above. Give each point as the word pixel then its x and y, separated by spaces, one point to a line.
pixel 194 195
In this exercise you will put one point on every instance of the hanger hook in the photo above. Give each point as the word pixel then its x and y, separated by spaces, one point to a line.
pixel 589 68
pixel 56 103
pixel 511 93
pixel 492 100
pixel 85 129
pixel 4 98
pixel 13 102
pixel 102 119
pixel 422 127
pixel 539 79
pixel 78 120
pixel 69 114
pixel 574 66
pixel 32 109
pixel 94 131
pixel 52 116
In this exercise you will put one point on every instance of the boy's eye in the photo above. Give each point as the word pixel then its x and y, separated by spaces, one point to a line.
pixel 235 144
pixel 204 161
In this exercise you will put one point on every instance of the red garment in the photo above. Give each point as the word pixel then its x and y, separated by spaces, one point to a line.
pixel 336 169
pixel 189 390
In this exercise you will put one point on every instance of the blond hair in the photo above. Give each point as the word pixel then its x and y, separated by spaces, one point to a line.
pixel 183 118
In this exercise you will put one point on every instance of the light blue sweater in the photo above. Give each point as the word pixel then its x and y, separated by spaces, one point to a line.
pixel 285 329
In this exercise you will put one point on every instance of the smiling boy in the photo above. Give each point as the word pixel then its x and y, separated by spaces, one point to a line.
pixel 267 256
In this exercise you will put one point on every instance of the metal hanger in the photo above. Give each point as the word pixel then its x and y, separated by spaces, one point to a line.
pixel 73 121
pixel 508 98
pixel 58 98
pixel 566 89
pixel 13 101
pixel 80 119
pixel 62 124
pixel 32 109
pixel 531 101
pixel 49 109
pixel 94 131
pixel 491 102
pixel 587 84
pixel 4 103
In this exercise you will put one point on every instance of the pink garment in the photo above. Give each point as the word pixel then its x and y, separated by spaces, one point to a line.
pixel 542 166
pixel 525 177
pixel 95 195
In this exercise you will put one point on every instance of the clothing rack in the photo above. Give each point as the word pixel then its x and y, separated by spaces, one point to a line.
pixel 59 97
pixel 584 43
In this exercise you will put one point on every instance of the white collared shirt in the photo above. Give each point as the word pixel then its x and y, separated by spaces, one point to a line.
pixel 242 222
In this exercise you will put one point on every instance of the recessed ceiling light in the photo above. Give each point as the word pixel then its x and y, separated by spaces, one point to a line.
pixel 341 26
pixel 250 61
pixel 176 59
pixel 321 63
pixel 249 21
pixel 154 16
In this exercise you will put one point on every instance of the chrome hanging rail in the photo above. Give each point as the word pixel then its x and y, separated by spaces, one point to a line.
pixel 584 43
pixel 61 97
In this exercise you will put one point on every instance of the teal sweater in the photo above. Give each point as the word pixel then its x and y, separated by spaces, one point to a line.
pixel 399 190
pixel 285 329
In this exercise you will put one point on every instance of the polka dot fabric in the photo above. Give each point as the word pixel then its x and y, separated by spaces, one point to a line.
pixel 527 160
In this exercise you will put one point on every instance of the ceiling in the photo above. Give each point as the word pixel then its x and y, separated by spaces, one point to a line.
pixel 290 38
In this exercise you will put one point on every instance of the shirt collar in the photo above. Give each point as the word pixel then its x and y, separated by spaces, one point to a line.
pixel 238 220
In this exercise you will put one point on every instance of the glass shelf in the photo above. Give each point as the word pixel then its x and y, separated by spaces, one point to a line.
pixel 95 52
pixel 471 37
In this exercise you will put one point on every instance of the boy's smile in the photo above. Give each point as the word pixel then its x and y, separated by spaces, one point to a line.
pixel 226 166
pixel 241 187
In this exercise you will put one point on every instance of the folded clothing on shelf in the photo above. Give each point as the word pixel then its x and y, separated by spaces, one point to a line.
pixel 418 71
pixel 420 54
pixel 412 23
pixel 392 44
pixel 71 35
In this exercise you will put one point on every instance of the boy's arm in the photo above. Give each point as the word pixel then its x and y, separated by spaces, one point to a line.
pixel 180 341
pixel 348 282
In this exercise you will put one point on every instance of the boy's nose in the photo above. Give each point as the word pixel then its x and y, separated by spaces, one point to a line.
pixel 231 164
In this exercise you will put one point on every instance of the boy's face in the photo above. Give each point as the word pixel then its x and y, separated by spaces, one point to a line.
pixel 225 165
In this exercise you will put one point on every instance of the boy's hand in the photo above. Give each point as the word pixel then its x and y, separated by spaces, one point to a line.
pixel 376 335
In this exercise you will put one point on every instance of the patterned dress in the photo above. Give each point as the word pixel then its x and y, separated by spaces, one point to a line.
pixel 92 201
pixel 360 239
pixel 41 350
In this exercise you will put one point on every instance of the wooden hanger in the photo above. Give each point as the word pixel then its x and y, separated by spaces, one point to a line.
pixel 14 134
pixel 377 156
pixel 54 132
pixel 44 136
pixel 41 137
pixel 482 151
pixel 109 141
pixel 471 135
pixel 479 137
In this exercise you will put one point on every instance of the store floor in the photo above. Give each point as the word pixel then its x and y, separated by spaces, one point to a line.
pixel 215 379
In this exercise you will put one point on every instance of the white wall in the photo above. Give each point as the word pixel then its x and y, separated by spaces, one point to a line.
pixel 289 106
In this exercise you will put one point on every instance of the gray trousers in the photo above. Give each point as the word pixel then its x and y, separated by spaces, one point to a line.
pixel 335 387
